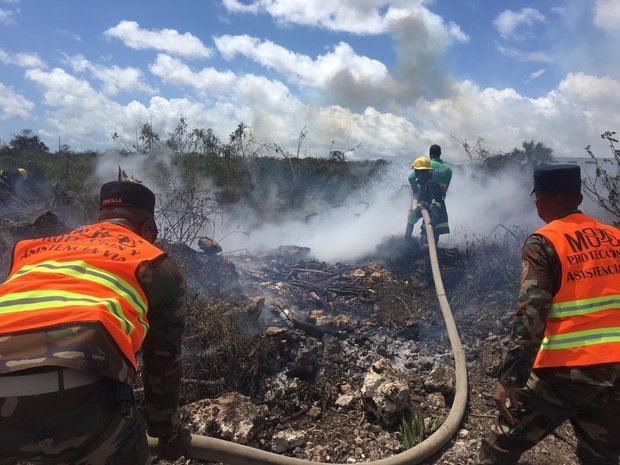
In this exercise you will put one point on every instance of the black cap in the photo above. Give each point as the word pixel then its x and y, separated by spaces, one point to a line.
pixel 435 151
pixel 127 194
pixel 557 179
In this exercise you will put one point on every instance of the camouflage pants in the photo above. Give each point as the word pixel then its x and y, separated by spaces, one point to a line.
pixel 545 403
pixel 81 426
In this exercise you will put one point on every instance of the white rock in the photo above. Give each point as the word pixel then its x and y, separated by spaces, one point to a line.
pixel 385 393
pixel 231 416
pixel 287 440
pixel 345 400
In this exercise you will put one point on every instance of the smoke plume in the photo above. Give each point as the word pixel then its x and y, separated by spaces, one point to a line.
pixel 476 206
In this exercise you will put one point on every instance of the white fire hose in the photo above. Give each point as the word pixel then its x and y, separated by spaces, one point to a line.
pixel 217 450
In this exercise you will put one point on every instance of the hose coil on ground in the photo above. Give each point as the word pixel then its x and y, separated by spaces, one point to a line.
pixel 217 450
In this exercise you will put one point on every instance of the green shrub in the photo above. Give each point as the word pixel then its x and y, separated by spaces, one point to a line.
pixel 412 430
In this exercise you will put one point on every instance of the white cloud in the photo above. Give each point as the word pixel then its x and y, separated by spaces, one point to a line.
pixel 355 16
pixel 165 40
pixel 357 81
pixel 80 114
pixel 254 93
pixel 276 115
pixel 594 92
pixel 536 74
pixel 12 104
pixel 6 16
pixel 25 60
pixel 299 68
pixel 83 116
pixel 510 23
pixel 237 6
pixel 421 39
pixel 535 56
pixel 174 71
pixel 114 78
pixel 567 118
pixel 607 15
pixel 457 33
pixel 65 90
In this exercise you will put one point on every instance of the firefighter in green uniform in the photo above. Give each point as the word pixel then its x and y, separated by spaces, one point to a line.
pixel 428 194
pixel 562 359
pixel 440 170
pixel 442 173
pixel 69 329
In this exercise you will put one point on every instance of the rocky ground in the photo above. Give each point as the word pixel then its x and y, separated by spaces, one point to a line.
pixel 342 354
pixel 327 361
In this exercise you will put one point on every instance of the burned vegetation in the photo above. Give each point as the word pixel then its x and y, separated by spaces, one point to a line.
pixel 333 362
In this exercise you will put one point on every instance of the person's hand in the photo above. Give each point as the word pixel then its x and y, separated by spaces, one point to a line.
pixel 503 393
pixel 177 446
pixel 421 206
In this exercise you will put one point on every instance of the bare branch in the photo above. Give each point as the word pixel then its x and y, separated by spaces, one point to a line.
pixel 604 187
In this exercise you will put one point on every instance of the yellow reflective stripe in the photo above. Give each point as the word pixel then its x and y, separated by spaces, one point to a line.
pixel 37 300
pixel 584 306
pixel 581 338
pixel 572 303
pixel 82 270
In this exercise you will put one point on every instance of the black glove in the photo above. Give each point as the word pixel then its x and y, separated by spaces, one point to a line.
pixel 176 445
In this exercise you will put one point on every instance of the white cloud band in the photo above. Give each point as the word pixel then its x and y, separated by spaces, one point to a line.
pixel 165 40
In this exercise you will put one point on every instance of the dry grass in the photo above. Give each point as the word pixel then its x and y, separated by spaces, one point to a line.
pixel 216 348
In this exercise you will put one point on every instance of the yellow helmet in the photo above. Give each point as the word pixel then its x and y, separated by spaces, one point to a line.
pixel 421 163
pixel 23 173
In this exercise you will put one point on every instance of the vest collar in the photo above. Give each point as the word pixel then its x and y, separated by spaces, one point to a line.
pixel 566 213
pixel 122 222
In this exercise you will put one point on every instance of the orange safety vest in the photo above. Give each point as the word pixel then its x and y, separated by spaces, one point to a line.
pixel 583 324
pixel 86 275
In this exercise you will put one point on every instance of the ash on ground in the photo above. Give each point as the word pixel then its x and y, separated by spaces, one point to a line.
pixel 326 361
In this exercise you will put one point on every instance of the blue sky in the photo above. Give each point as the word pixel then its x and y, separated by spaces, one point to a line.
pixel 394 76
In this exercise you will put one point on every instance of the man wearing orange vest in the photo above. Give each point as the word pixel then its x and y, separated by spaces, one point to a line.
pixel 562 360
pixel 74 311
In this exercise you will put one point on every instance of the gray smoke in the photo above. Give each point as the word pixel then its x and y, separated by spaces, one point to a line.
pixel 476 205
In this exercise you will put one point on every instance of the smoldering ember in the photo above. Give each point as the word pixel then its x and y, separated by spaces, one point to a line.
pixel 313 329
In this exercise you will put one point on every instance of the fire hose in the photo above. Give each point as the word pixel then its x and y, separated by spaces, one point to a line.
pixel 217 450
